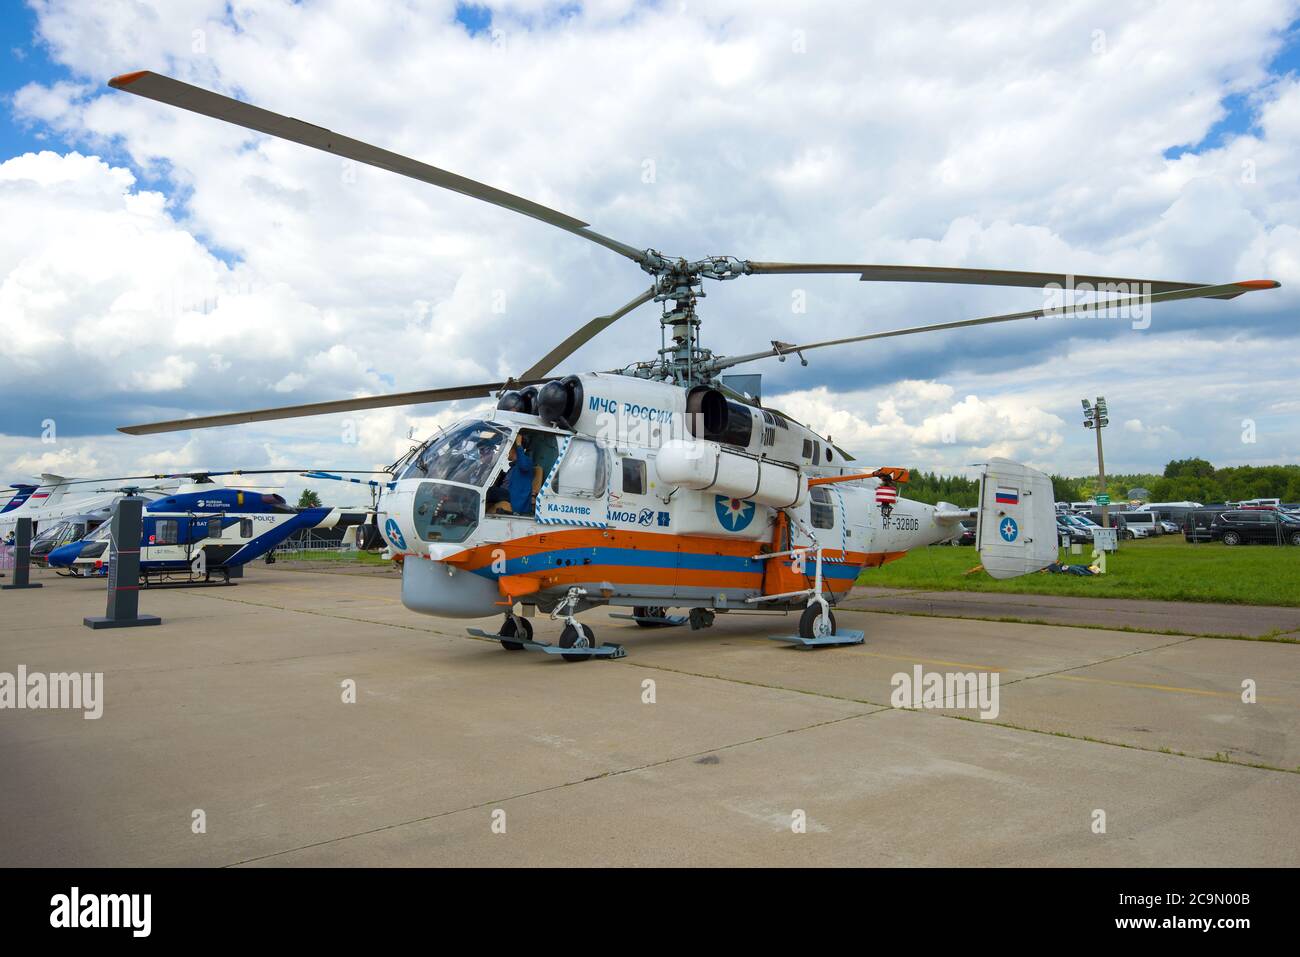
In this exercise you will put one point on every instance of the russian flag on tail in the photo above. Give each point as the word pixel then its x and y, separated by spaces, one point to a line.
pixel 1006 496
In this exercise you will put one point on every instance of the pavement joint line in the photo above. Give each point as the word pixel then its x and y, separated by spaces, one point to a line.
pixel 933 661
pixel 1269 636
pixel 1102 661
pixel 1155 687
pixel 1065 735
pixel 606 775
pixel 759 684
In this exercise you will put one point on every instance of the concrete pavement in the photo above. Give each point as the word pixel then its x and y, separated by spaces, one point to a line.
pixel 235 707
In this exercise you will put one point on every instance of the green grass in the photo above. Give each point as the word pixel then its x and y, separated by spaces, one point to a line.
pixel 320 555
pixel 1165 569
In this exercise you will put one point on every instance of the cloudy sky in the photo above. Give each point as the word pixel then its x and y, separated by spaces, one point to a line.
pixel 156 263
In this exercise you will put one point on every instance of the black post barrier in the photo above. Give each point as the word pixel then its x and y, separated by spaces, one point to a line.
pixel 22 556
pixel 124 569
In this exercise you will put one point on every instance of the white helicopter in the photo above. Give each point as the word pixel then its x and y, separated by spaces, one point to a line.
pixel 56 499
pixel 659 485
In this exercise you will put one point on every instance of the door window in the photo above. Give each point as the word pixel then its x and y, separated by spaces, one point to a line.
pixel 823 511
pixel 582 473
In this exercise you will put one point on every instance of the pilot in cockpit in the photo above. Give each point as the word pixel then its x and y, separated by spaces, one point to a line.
pixel 512 492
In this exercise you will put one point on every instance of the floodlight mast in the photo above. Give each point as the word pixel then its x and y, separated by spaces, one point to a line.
pixel 1095 418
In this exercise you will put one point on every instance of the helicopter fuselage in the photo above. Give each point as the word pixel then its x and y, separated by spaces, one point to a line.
pixel 642 502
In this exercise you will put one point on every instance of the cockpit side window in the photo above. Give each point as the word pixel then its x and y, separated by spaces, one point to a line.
pixel 466 455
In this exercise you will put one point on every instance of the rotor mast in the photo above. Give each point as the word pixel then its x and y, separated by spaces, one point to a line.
pixel 679 285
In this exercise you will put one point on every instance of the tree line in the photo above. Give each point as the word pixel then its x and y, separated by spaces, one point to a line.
pixel 1193 479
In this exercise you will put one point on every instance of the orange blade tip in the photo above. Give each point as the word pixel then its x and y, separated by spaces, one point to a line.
pixel 1259 284
pixel 126 78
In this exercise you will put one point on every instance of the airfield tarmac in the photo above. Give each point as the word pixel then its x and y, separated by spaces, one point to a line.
pixel 234 707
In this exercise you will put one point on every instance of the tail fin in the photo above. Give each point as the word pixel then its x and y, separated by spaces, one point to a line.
pixel 53 488
pixel 1017 520
pixel 21 494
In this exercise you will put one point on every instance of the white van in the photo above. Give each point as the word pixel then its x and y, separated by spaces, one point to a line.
pixel 1137 524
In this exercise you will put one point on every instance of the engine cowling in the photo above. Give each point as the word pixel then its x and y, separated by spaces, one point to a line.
pixel 559 403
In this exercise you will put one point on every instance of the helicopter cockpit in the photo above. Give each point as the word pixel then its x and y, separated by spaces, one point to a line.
pixel 62 533
pixel 469 463
pixel 457 466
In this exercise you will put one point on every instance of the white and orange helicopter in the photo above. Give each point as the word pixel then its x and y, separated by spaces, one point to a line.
pixel 660 485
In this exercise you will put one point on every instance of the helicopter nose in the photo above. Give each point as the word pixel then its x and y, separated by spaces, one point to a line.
pixel 65 555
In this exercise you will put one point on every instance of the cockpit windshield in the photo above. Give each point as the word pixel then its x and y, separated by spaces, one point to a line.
pixel 100 534
pixel 465 454
pixel 53 533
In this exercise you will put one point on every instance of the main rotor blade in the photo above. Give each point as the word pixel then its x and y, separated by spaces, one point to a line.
pixel 164 89
pixel 544 365
pixel 322 408
pixel 200 473
pixel 981 277
pixel 1224 291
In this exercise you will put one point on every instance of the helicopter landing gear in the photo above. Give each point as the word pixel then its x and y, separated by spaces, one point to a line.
pixel 577 635
pixel 701 618
pixel 515 627
pixel 817 620
pixel 652 616
pixel 817 627
pixel 817 623
pixel 577 641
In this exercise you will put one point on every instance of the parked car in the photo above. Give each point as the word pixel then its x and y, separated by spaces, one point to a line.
pixel 1198 522
pixel 1138 524
pixel 1268 526
pixel 967 534
pixel 1170 511
pixel 1086 525
pixel 1171 528
pixel 1074 533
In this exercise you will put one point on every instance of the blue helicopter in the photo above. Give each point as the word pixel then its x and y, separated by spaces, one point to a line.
pixel 202 532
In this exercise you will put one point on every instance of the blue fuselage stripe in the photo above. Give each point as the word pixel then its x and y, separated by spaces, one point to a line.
pixel 646 558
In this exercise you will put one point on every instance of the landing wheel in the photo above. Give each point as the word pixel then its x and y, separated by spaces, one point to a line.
pixel 572 637
pixel 515 628
pixel 651 611
pixel 811 624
